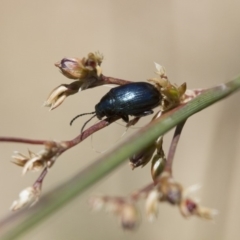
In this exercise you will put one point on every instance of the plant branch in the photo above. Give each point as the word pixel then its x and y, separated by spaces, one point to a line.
pixel 111 80
pixel 22 140
pixel 96 127
pixel 173 147
pixel 62 195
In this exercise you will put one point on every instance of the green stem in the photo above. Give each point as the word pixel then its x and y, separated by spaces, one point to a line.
pixel 62 195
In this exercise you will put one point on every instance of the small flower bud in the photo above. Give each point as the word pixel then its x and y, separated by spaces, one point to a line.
pixel 172 94
pixel 152 203
pixel 160 70
pixel 75 68
pixel 70 67
pixel 123 208
pixel 142 158
pixel 129 217
pixel 28 197
pixel 157 167
pixel 189 207
pixel 170 189
pixel 182 89
pixel 158 161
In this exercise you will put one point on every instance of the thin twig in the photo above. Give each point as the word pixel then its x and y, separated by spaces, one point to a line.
pixel 96 127
pixel 135 196
pixel 41 177
pixel 92 174
pixel 173 147
pixel 112 80
pixel 22 140
pixel 69 143
pixel 103 80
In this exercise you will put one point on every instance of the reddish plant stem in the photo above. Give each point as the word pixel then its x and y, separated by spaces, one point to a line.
pixel 94 82
pixel 168 167
pixel 74 87
pixel 22 140
pixel 41 178
pixel 96 127
pixel 103 80
pixel 142 192
pixel 117 81
pixel 67 144
pixel 173 147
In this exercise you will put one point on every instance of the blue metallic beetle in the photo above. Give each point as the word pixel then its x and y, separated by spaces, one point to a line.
pixel 135 99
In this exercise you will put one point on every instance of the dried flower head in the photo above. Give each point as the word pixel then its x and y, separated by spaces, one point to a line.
pixel 167 189
pixel 33 162
pixel 87 71
pixel 172 94
pixel 70 67
pixel 189 207
pixel 37 161
pixel 144 156
pixel 75 68
pixel 151 205
pixel 123 208
pixel 58 95
pixel 159 160
pixel 27 197
pixel 129 216
pixel 170 189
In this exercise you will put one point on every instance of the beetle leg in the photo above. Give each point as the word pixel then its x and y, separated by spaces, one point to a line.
pixel 125 118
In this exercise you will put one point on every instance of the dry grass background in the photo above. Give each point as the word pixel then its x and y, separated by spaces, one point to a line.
pixel 197 42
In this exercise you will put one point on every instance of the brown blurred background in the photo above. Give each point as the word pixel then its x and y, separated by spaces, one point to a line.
pixel 197 42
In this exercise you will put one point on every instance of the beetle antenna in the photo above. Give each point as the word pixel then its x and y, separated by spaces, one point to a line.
pixel 87 122
pixel 80 116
